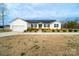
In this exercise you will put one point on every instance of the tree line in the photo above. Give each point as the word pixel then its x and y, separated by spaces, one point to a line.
pixel 71 24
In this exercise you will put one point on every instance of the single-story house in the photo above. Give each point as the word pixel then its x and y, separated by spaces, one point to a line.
pixel 20 24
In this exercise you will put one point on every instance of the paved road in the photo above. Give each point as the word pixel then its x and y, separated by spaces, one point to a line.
pixel 45 33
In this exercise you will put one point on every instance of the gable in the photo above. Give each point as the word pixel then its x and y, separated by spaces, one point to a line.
pixel 56 22
pixel 18 21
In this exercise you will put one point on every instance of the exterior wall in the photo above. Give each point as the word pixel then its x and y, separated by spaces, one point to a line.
pixel 18 22
pixel 29 25
pixel 38 25
pixel 52 25
pixel 25 25
pixel 45 27
pixel 42 25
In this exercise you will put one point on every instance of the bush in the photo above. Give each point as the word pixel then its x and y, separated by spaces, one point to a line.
pixel 64 30
pixel 25 30
pixel 32 29
pixel 70 30
pixel 48 30
pixel 35 30
pixel 43 30
pixel 58 30
pixel 53 30
pixel 29 29
pixel 75 30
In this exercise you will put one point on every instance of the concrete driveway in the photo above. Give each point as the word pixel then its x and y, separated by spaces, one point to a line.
pixel 45 33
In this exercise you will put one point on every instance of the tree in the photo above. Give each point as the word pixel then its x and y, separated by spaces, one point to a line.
pixel 70 24
pixel 2 13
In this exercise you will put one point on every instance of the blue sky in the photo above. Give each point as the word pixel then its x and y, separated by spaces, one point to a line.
pixel 41 10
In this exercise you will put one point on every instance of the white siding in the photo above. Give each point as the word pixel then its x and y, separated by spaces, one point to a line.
pixel 18 23
pixel 28 25
pixel 21 25
pixel 52 25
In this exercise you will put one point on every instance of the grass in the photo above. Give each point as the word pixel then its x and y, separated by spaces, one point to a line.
pixel 74 44
pixel 40 45
pixel 35 44
pixel 5 30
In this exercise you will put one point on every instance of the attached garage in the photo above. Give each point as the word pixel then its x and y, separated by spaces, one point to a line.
pixel 18 25
pixel 18 28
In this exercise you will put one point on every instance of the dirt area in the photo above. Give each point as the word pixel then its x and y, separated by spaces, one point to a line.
pixel 37 45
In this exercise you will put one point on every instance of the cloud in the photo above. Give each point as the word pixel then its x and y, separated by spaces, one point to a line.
pixel 37 10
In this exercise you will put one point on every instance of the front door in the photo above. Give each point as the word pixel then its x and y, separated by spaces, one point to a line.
pixel 40 26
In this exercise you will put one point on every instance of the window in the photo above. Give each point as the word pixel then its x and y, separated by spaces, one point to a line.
pixel 56 25
pixel 46 25
pixel 40 25
pixel 33 25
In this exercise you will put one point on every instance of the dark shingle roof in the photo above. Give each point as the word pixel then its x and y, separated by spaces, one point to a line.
pixel 37 21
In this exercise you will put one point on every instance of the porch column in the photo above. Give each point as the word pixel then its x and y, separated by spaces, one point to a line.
pixel 37 26
pixel 42 25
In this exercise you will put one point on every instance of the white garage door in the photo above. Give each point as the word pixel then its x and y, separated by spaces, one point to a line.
pixel 18 28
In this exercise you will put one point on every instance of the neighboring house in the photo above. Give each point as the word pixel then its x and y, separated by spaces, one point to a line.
pixel 20 25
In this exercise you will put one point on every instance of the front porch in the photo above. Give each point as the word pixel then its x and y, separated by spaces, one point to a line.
pixel 40 25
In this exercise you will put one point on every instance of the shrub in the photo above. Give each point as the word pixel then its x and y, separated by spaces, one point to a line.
pixel 58 30
pixel 25 30
pixel 75 30
pixel 43 30
pixel 48 30
pixel 53 30
pixel 64 30
pixel 29 29
pixel 70 30
pixel 35 30
pixel 32 29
